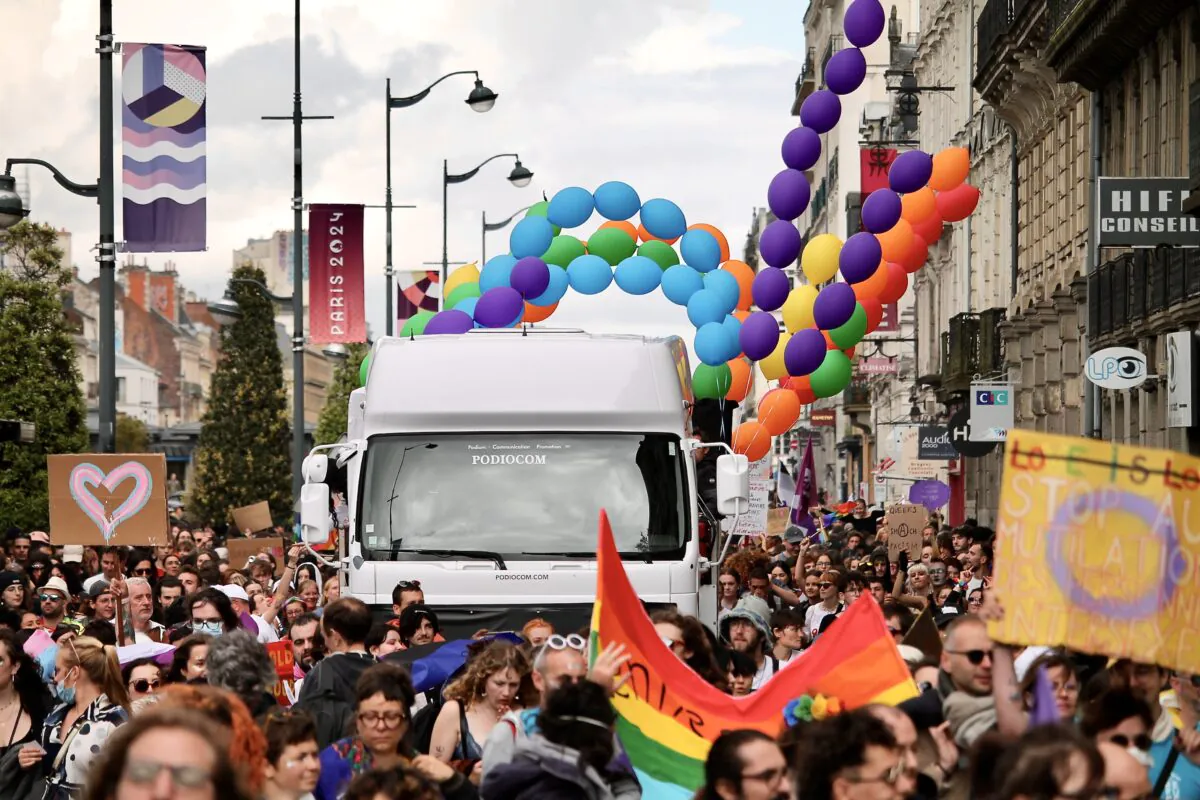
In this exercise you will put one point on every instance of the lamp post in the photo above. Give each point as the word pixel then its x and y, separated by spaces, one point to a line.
pixel 11 213
pixel 519 177
pixel 481 99
pixel 494 226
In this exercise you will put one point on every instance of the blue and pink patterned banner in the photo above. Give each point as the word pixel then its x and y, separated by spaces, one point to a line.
pixel 163 128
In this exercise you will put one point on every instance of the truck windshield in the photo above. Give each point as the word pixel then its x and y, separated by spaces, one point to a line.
pixel 523 496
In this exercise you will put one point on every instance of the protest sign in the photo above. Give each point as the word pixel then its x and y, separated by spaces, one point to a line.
pixel 108 499
pixel 242 550
pixel 253 518
pixel 1098 549
pixel 905 523
pixel 284 659
pixel 754 521
pixel 777 521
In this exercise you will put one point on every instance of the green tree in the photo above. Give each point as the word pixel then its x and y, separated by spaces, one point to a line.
pixel 132 435
pixel 243 455
pixel 331 425
pixel 39 380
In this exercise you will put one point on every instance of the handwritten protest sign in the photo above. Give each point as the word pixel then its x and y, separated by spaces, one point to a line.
pixel 284 659
pixel 905 523
pixel 1098 549
pixel 108 499
pixel 754 521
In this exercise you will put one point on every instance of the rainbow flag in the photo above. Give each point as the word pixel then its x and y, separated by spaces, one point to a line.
pixel 668 716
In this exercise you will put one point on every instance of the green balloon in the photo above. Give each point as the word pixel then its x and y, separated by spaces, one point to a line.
pixel 413 326
pixel 460 293
pixel 539 210
pixel 712 383
pixel 612 244
pixel 660 253
pixel 363 369
pixel 832 376
pixel 852 332
pixel 563 250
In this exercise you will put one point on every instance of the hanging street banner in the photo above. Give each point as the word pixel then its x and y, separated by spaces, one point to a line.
pixel 336 296
pixel 1146 212
pixel 1097 549
pixel 992 411
pixel 933 443
pixel 164 170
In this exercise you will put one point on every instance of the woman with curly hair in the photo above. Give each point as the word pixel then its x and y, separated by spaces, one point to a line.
pixel 247 745
pixel 497 680
pixel 186 743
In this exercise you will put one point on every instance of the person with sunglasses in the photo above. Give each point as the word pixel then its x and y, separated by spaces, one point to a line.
pixel 967 659
pixel 53 599
pixel 143 678
pixel 830 587
pixel 1124 777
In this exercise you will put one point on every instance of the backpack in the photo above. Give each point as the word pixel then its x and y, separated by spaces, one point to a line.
pixel 333 717
pixel 421 727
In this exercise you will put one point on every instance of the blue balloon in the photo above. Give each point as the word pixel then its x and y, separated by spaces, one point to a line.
pixel 467 306
pixel 570 208
pixel 496 272
pixel 559 283
pixel 663 219
pixel 733 326
pixel 726 285
pixel 616 200
pixel 700 249
pixel 680 282
pixel 531 237
pixel 706 306
pixel 638 275
pixel 712 344
pixel 589 274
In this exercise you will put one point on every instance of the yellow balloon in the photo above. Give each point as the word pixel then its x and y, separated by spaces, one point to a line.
pixel 820 258
pixel 798 308
pixel 772 367
pixel 468 273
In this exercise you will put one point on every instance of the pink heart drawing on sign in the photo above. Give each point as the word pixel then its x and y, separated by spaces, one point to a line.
pixel 86 476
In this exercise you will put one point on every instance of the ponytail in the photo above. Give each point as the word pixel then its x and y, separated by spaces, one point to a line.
pixel 112 682
pixel 102 666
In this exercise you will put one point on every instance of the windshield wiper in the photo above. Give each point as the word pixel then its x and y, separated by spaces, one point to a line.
pixel 442 553
pixel 589 554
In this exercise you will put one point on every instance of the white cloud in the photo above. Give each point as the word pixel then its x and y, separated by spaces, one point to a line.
pixel 688 43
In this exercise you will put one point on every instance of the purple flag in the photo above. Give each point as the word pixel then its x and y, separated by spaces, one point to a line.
pixel 164 173
pixel 805 496
pixel 1044 710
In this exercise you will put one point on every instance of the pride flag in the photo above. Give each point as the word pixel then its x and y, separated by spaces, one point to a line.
pixel 668 716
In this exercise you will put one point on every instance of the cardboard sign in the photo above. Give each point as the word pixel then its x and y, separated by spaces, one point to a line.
pixel 108 500
pixel 777 521
pixel 242 550
pixel 905 523
pixel 253 518
pixel 1096 549
pixel 924 635
pixel 284 659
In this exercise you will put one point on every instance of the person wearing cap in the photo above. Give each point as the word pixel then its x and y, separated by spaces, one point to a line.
pixel 241 606
pixel 104 602
pixel 744 628
pixel 12 591
pixel 53 599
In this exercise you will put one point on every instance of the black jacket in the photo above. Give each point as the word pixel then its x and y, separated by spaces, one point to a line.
pixel 328 694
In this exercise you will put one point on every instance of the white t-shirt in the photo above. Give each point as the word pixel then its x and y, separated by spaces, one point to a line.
pixel 814 616
pixel 765 672
pixel 266 632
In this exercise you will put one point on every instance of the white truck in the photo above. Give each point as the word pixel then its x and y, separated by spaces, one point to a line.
pixel 477 465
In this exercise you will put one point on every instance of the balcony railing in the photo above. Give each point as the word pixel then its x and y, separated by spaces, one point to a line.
pixel 995 21
pixel 991 343
pixel 962 353
pixel 857 395
pixel 1126 291
pixel 1059 11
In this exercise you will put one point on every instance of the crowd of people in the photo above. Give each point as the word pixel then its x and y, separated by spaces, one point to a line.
pixel 130 673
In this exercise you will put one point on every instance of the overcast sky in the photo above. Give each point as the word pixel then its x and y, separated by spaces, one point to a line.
pixel 683 99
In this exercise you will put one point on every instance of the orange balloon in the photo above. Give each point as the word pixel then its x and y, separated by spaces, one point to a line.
pixel 897 284
pixel 874 311
pixel 538 313
pixel 745 278
pixel 752 440
pixel 950 168
pixel 802 387
pixel 778 411
pixel 741 314
pixel 896 241
pixel 645 236
pixel 918 205
pixel 958 204
pixel 621 225
pixel 829 345
pixel 873 285
pixel 720 237
pixel 930 228
pixel 917 253
pixel 742 378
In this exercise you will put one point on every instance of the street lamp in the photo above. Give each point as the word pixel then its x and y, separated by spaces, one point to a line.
pixel 481 99
pixel 487 227
pixel 519 177
pixel 12 210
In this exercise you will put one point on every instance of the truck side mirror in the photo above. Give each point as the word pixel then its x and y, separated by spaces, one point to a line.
pixel 733 484
pixel 315 523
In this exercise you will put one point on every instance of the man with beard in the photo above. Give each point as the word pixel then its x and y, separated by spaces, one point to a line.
pixel 53 599
pixel 744 628
pixel 418 625
pixel 304 634
pixel 967 660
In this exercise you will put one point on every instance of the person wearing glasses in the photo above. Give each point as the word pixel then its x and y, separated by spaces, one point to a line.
pixel 1124 777
pixel 745 765
pixel 293 759
pixel 143 678
pixel 53 599
pixel 967 660
pixel 383 696
pixel 850 756
pixel 830 588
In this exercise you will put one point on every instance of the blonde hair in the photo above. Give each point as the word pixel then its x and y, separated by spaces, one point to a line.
pixel 495 657
pixel 100 663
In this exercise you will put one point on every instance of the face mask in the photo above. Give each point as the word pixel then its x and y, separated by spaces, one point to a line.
pixel 66 694
pixel 1141 756
pixel 211 627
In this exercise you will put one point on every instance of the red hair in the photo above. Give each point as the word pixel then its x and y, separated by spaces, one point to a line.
pixel 247 743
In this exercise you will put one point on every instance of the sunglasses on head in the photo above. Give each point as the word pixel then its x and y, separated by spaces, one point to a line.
pixel 976 657
pixel 1141 741
pixel 404 586
pixel 142 685
pixel 572 641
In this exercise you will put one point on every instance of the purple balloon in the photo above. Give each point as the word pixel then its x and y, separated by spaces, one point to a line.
pixel 788 194
pixel 846 71
pixel 771 287
pixel 881 211
pixel 860 257
pixel 821 111
pixel 530 276
pixel 863 22
pixel 499 307
pixel 759 335
pixel 449 321
pixel 833 307
pixel 910 171
pixel 804 352
pixel 801 148
pixel 779 243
